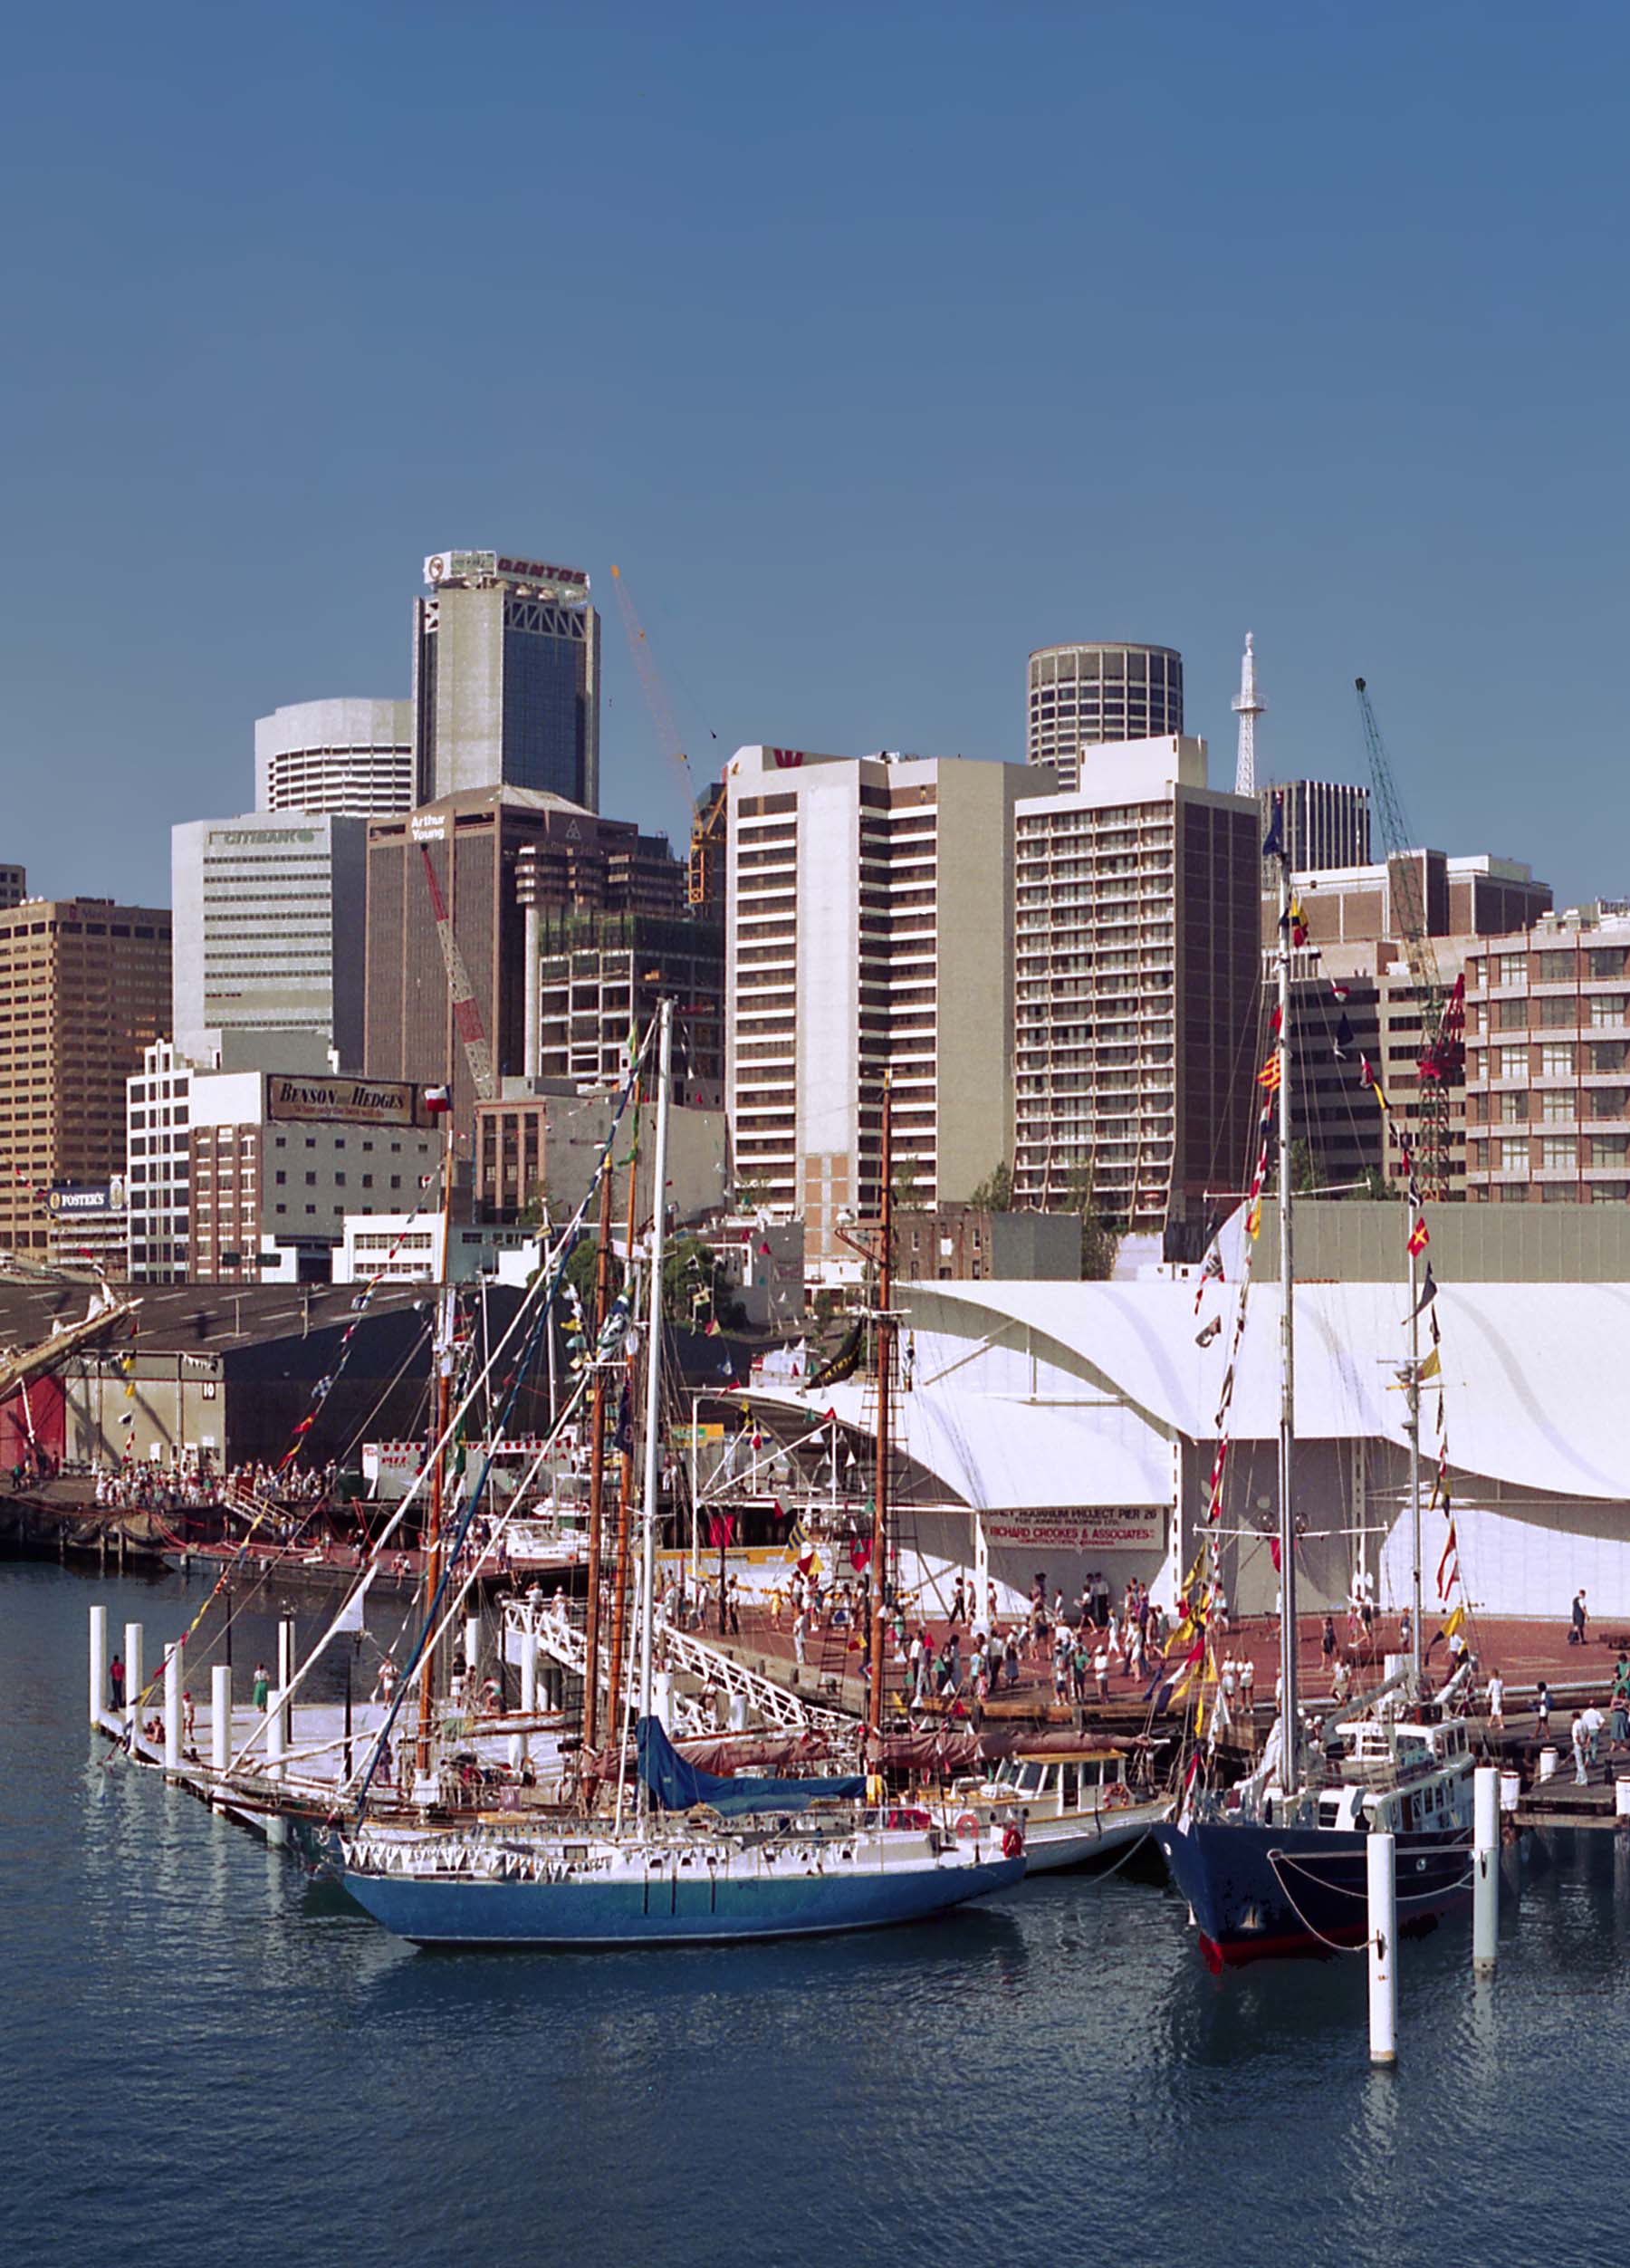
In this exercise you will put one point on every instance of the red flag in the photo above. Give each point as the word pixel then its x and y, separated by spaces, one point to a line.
pixel 1418 1237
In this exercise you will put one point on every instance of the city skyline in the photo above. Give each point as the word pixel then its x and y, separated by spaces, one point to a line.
pixel 1369 440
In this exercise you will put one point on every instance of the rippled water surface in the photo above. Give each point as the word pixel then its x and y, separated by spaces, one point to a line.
pixel 208 2059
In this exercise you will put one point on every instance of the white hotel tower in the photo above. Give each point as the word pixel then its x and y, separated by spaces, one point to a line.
pixel 869 914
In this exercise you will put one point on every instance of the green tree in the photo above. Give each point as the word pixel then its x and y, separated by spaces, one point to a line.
pixel 908 1190
pixel 695 1287
pixel 1376 1187
pixel 581 1269
pixel 1100 1237
pixel 995 1194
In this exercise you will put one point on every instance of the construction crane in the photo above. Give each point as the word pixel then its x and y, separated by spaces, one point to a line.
pixel 708 825
pixel 466 1012
pixel 1440 1063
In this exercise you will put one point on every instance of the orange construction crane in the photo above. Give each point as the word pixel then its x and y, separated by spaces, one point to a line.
pixel 707 826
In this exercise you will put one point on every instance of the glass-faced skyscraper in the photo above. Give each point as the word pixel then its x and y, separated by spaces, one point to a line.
pixel 505 678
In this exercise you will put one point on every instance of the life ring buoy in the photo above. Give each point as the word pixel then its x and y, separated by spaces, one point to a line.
pixel 1012 1842
pixel 968 1824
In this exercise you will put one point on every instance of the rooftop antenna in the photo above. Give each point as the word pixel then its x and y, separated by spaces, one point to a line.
pixel 1248 707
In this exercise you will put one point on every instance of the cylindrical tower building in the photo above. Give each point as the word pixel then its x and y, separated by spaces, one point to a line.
pixel 1108 689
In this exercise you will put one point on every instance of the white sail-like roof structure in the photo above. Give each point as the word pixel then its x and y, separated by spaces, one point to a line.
pixel 1046 1393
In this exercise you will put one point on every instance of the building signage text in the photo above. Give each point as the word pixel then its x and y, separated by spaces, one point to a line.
pixel 1081 1528
pixel 356 1101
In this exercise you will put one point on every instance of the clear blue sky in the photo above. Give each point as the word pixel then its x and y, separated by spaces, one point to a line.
pixel 876 344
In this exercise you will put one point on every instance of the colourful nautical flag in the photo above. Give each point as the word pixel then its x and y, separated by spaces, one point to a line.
pixel 1273 846
pixel 1299 923
pixel 1211 1269
pixel 438 1100
pixel 1448 1566
pixel 1419 1237
pixel 1344 1037
pixel 1428 1292
pixel 1271 1072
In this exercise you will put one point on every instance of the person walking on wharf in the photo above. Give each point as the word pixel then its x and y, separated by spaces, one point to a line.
pixel 1542 1712
pixel 1576 1635
pixel 260 1690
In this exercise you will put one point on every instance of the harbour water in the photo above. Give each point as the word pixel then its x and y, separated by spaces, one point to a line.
pixel 208 2058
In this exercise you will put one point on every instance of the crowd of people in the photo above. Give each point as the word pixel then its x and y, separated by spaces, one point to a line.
pixel 195 1485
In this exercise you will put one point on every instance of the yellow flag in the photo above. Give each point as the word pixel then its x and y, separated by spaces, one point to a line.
pixel 1433 1367
pixel 1455 1619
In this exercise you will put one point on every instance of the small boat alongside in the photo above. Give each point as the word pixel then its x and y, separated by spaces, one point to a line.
pixel 1077 1810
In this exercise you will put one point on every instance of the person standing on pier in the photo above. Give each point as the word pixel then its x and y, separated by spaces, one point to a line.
pixel 1576 1635
pixel 116 1680
pixel 260 1690
pixel 1620 1732
pixel 1542 1712
pixel 1497 1703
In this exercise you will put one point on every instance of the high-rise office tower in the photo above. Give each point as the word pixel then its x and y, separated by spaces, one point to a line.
pixel 499 856
pixel 1135 977
pixel 268 928
pixel 505 678
pixel 1110 690
pixel 1327 823
pixel 868 929
pixel 603 975
pixel 14 885
pixel 352 758
pixel 84 988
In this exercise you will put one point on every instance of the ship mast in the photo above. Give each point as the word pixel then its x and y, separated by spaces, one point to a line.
pixel 625 1484
pixel 653 1442
pixel 885 1349
pixel 1289 1720
pixel 446 1327
pixel 1413 1403
pixel 597 1473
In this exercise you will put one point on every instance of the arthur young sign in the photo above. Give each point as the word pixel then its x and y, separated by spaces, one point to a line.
pixel 356 1101
pixel 1081 1528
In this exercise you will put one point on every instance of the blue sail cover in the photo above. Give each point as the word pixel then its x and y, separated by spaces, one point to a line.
pixel 677 1786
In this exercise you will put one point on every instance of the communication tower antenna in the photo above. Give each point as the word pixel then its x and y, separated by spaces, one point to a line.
pixel 1248 707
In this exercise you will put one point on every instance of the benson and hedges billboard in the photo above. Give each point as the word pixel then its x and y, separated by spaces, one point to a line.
pixel 355 1102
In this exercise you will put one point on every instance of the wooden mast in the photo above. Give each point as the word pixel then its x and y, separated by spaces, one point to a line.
pixel 885 1353
pixel 597 1473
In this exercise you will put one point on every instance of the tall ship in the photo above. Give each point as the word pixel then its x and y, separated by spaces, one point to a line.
pixel 1277 1864
pixel 700 1858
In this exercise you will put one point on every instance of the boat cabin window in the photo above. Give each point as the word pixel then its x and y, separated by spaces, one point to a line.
pixel 1072 1787
pixel 1030 1779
